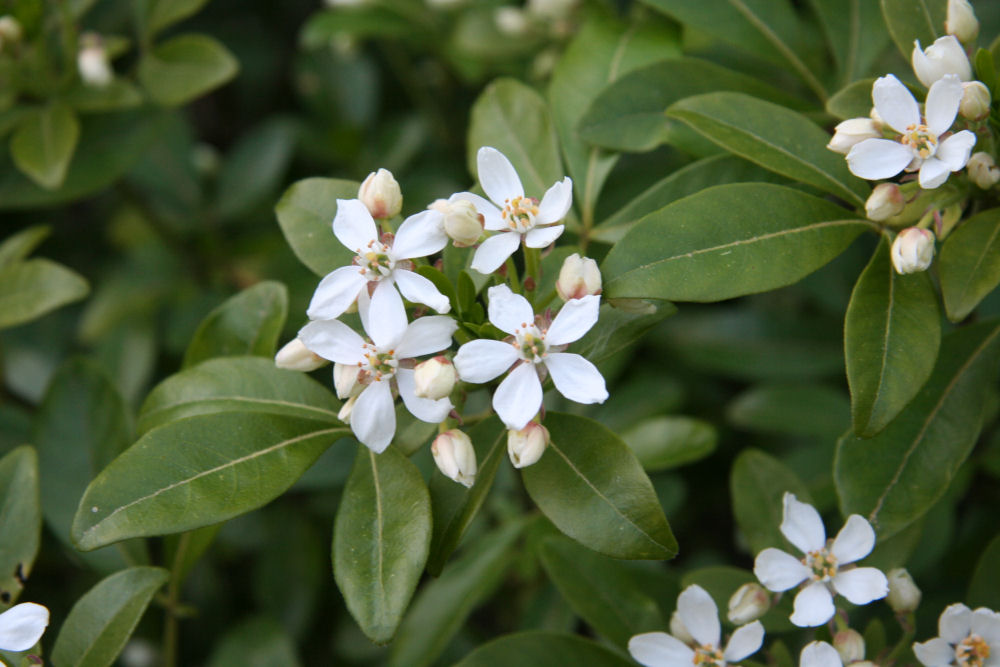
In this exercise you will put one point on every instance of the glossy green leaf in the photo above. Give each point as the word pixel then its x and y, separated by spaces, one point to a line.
pixel 590 485
pixel 381 540
pixel 986 70
pixel 246 324
pixel 852 101
pixel 984 587
pixel 185 67
pixel 305 213
pixel 103 619
pixel 34 287
pixel 357 22
pixel 259 642
pixel 909 20
pixel 543 648
pixel 196 472
pixel 728 241
pixel 969 264
pixel 855 33
pixel 43 144
pixel 18 246
pixel 757 485
pixel 809 410
pixel 20 520
pixel 254 168
pixel 895 477
pixel 182 551
pixel 892 331
pixel 774 137
pixel 665 442
pixel 163 13
pixel 119 94
pixel 619 325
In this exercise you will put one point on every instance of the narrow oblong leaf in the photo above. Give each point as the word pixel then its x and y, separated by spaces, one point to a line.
pixel 969 264
pixel 185 67
pixel 18 246
pixel 253 169
pixel 543 648
pixel 34 287
pixel 909 20
pixel 163 13
pixel 801 409
pixel 855 33
pixel 305 213
pixel 20 520
pixel 757 484
pixel 43 144
pixel 665 442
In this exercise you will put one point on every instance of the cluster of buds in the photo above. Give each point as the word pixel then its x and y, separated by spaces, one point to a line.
pixel 92 61
pixel 913 250
pixel 381 195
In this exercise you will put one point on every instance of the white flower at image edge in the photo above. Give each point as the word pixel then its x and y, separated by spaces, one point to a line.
pixel 373 418
pixel 22 626
pixel 822 565
pixel 519 396
pixel 517 217
pixel 820 654
pixel 920 145
pixel 700 616
pixel 967 638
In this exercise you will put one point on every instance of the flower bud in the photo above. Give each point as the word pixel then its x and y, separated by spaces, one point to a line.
pixel 904 596
pixel 944 56
pixel 961 21
pixel 461 222
pixel 913 250
pixel 10 31
pixel 578 277
pixel 345 410
pixel 526 446
pixel 455 457
pixel 434 378
pixel 748 603
pixel 679 630
pixel 975 104
pixel 92 61
pixel 511 21
pixel 295 356
pixel 345 380
pixel 853 131
pixel 983 170
pixel 380 193
pixel 885 201
pixel 850 645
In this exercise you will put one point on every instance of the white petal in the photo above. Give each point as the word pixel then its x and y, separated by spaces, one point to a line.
pixel 986 624
pixel 955 623
pixel 779 571
pixel 494 251
pixel 801 524
pixel 497 176
pixel 819 654
pixel 519 397
pixel 874 159
pixel 861 585
pixel 934 653
pixel 335 293
pixel 933 173
pixel 424 409
pixel 386 321
pixel 813 606
pixel 22 626
pixel 418 289
pixel 746 640
pixel 425 335
pixel 419 235
pixel 541 237
pixel 556 202
pixel 575 319
pixel 333 340
pixel 492 220
pixel 576 378
pixel 658 649
pixel 373 418
pixel 353 225
pixel 854 541
pixel 954 151
pixel 509 312
pixel 895 104
pixel 699 614
pixel 942 103
pixel 482 360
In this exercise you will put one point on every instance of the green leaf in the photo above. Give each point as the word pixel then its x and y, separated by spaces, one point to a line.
pixel 18 246
pixel 776 138
pixel 895 477
pixel 618 327
pixel 35 287
pixel 305 213
pixel 892 331
pixel 757 485
pixel 808 410
pixel 728 241
pixel 969 264
pixel 103 619
pixel 246 324
pixel 185 67
pixel 909 20
pixel 852 101
pixel 253 169
pixel 258 642
pixel 854 32
pixel 542 648
pixel 381 539
pixel 590 485
pixel 662 443
pixel 20 520
pixel 357 22
pixel 221 465
pixel 163 13
pixel 117 95
pixel 442 283
pixel 43 144
pixel 986 70
pixel 984 587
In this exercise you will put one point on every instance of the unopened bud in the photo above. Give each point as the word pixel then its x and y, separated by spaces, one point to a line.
pixel 904 596
pixel 92 61
pixel 944 56
pixel 679 630
pixel 850 645
pixel 461 221
pixel 380 193
pixel 455 457
pixel 511 21
pixel 434 378
pixel 345 410
pixel 526 446
pixel 853 131
pixel 913 250
pixel 10 31
pixel 975 104
pixel 345 380
pixel 961 21
pixel 578 277
pixel 885 201
pixel 295 356
pixel 983 170
pixel 748 603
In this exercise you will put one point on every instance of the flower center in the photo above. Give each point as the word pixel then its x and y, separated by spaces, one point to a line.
pixel 375 260
pixel 920 140
pixel 972 651
pixel 520 213
pixel 822 563
pixel 530 343
pixel 708 656
pixel 377 365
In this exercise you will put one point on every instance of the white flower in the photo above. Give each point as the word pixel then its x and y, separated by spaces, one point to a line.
pixel 912 250
pixel 920 145
pixel 945 56
pixel 95 70
pixel 823 564
pixel 700 616
pixel 372 413
pixel 531 349
pixel 853 131
pixel 966 638
pixel 22 626
pixel 381 261
pixel 518 217
pixel 819 654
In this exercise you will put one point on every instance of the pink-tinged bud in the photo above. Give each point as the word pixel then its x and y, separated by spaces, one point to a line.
pixel 680 631
pixel 461 221
pixel 92 62
pixel 983 170
pixel 380 193
pixel 885 201
pixel 975 104
pixel 295 356
pixel 961 21
pixel 850 645
pixel 853 131
pixel 578 277
pixel 913 250
pixel 434 378
pixel 904 596
pixel 345 381
pixel 455 456
pixel 10 31
pixel 748 603
pixel 526 446
pixel 944 56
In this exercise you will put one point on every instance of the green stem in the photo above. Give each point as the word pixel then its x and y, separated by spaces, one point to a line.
pixel 532 268
pixel 512 277
pixel 909 625
pixel 540 305
pixel 170 629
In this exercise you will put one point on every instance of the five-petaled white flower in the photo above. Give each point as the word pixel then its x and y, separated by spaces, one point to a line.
pixel 379 361
pixel 532 348
pixel 518 217
pixel 22 626
pixel 700 616
pixel 823 564
pixel 382 261
pixel 920 145
pixel 966 638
